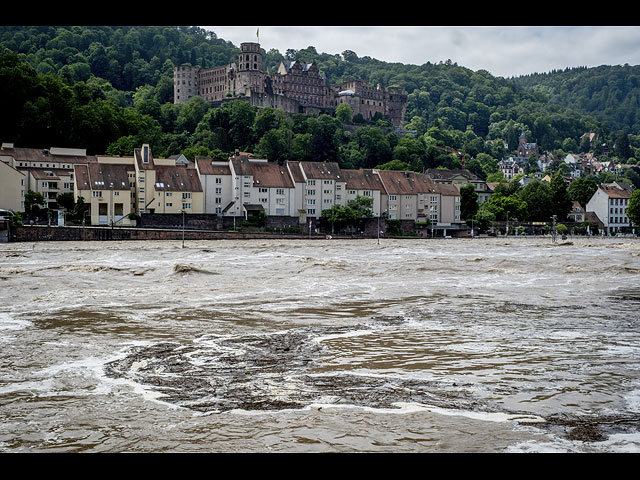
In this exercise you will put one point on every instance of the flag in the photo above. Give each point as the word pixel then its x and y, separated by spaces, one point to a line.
pixel 258 33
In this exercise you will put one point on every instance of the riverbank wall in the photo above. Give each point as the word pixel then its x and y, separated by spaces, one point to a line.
pixel 40 233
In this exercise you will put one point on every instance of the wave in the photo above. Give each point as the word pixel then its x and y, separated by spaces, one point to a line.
pixel 182 269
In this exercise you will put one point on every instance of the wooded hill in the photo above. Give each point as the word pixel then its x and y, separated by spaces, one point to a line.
pixel 108 89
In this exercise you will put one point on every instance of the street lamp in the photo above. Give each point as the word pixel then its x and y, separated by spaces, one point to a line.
pixel 183 228
pixel 379 227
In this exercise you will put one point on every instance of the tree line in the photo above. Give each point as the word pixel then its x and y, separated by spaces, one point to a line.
pixel 109 89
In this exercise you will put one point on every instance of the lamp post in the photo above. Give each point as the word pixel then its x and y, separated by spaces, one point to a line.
pixel 379 227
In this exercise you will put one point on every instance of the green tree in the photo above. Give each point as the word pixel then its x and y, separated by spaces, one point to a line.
pixel 468 201
pixel 538 197
pixel 34 202
pixel 633 208
pixel 344 113
pixel 350 216
pixel 65 200
pixel 560 197
pixel 507 207
pixel 582 189
pixel 484 218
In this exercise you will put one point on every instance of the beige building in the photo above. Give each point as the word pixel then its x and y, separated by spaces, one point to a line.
pixel 400 197
pixel 105 188
pixel 12 188
pixel 164 186
pixel 118 186
pixel 46 171
pixel 414 196
pixel 364 183
pixel 449 214
pixel 460 178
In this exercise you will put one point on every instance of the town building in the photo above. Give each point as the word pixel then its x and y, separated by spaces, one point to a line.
pixel 610 203
pixel 325 187
pixel 13 191
pixel 577 213
pixel 294 87
pixel 46 171
pixel 525 148
pixel 115 187
pixel 105 189
pixel 364 183
pixel 460 178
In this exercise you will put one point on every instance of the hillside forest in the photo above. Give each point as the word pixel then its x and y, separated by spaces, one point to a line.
pixel 110 89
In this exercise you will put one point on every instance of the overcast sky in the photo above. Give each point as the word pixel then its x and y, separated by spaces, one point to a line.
pixel 502 50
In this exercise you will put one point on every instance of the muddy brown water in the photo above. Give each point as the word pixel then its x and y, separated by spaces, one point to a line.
pixel 452 345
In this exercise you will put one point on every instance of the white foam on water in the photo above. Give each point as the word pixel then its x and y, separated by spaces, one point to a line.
pixel 9 323
pixel 623 443
pixel 44 385
pixel 633 400
pixel 482 416
pixel 354 333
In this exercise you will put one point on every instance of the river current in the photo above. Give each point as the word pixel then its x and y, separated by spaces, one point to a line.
pixel 439 345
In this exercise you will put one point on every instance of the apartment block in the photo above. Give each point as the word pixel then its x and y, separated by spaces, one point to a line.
pixel 610 203
pixel 12 189
pixel 46 171
pixel 325 187
pixel 105 189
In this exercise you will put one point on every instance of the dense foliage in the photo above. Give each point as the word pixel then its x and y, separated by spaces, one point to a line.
pixel 109 89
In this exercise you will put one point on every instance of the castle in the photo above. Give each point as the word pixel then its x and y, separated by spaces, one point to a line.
pixel 294 88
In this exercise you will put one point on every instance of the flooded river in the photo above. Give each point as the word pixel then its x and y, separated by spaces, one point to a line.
pixel 452 345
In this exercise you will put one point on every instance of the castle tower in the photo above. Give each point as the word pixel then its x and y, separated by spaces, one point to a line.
pixel 250 58
pixel 185 83
pixel 250 78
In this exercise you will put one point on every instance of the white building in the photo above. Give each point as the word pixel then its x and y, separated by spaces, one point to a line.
pixel 610 203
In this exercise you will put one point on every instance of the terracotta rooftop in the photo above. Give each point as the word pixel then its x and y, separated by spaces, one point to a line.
pixel 398 182
pixel 205 167
pixel 241 164
pixel 296 172
pixel 177 178
pixel 102 176
pixel 616 190
pixel 40 174
pixel 43 155
pixel 444 174
pixel 142 165
pixel 322 171
pixel 364 179
pixel 271 175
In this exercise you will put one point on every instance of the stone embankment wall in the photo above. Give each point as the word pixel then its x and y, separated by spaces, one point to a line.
pixel 44 233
